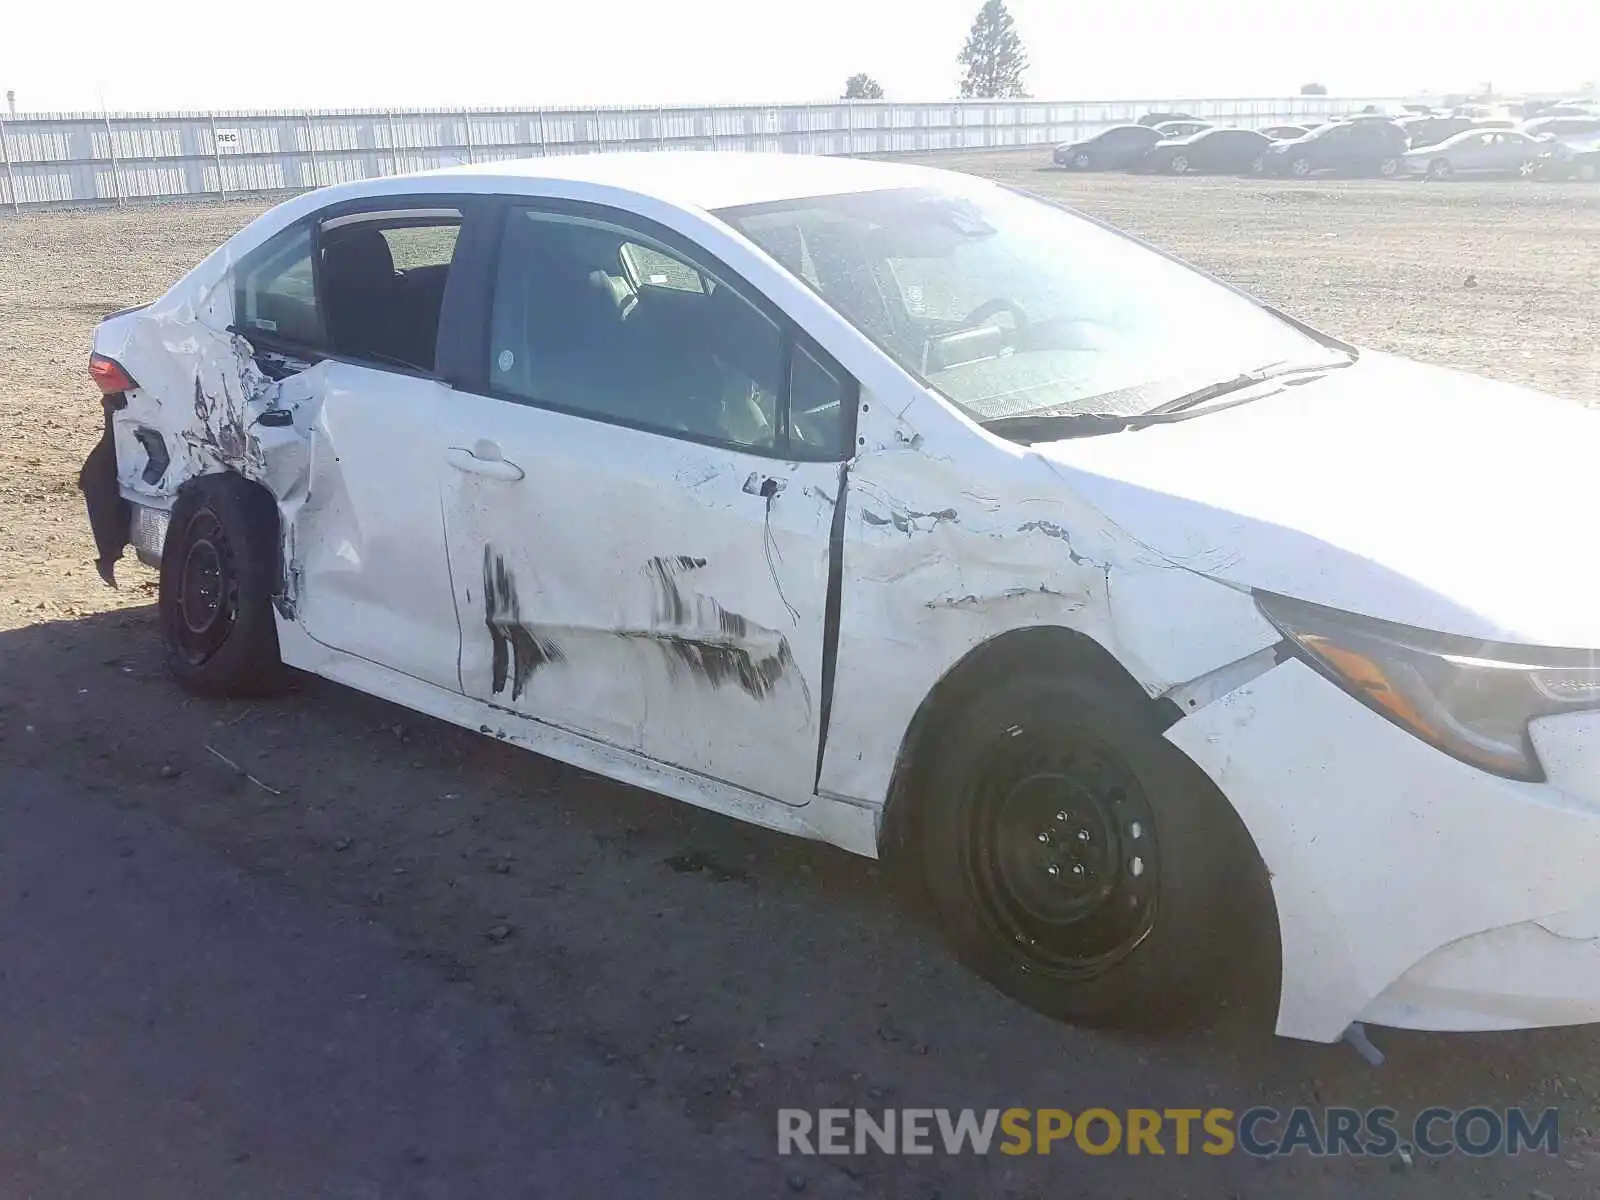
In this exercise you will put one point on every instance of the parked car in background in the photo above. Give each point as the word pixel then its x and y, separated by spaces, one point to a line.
pixel 1430 131
pixel 1161 118
pixel 1113 149
pixel 1210 151
pixel 1359 147
pixel 1566 163
pixel 1283 133
pixel 1182 129
pixel 1576 133
pixel 1481 152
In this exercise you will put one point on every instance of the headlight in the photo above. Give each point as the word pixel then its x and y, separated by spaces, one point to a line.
pixel 1471 699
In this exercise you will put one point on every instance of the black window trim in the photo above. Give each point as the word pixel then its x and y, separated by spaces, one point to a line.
pixel 474 209
pixel 475 376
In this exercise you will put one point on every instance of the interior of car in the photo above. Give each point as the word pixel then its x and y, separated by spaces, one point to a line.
pixel 375 307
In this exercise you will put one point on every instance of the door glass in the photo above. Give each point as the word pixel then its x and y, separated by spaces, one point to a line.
pixel 817 399
pixel 602 321
pixel 275 289
pixel 383 281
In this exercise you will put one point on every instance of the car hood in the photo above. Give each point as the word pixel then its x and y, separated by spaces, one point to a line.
pixel 1403 492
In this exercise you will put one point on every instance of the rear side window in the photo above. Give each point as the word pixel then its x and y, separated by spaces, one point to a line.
pixel 275 290
pixel 413 246
pixel 382 278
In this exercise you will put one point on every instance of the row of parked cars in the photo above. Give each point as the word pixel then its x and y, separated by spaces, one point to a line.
pixel 1427 145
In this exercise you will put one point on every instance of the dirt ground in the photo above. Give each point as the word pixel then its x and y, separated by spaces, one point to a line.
pixel 718 970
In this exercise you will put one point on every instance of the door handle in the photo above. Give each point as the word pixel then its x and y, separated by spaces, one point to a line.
pixel 483 459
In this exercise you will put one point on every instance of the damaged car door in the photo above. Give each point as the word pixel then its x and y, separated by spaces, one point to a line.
pixel 346 309
pixel 641 505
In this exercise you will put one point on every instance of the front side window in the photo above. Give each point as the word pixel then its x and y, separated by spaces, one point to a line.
pixel 603 321
pixel 1012 307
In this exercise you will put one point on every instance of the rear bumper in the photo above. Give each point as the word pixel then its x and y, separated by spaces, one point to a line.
pixel 1411 889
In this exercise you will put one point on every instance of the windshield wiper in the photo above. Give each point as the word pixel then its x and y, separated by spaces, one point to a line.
pixel 1239 382
pixel 1050 427
pixel 1056 427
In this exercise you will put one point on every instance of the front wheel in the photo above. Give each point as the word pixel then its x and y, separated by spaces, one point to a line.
pixel 1081 161
pixel 1079 862
pixel 1388 168
pixel 1440 169
pixel 1300 166
pixel 1588 172
pixel 218 573
pixel 1179 165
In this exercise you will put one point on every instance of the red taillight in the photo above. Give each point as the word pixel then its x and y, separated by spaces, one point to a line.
pixel 109 375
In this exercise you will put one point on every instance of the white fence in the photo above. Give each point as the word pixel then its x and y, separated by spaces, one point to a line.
pixel 98 158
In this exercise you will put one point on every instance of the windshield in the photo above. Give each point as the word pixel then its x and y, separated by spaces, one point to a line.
pixel 1012 307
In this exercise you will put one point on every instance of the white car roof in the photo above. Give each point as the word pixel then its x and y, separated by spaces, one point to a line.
pixel 704 179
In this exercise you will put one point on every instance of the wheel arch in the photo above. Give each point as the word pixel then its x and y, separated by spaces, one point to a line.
pixel 1054 647
pixel 1035 647
pixel 256 494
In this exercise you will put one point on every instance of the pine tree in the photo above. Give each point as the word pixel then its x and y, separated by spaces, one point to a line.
pixel 862 86
pixel 993 59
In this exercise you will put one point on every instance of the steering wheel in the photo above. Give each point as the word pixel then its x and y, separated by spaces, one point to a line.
pixel 993 308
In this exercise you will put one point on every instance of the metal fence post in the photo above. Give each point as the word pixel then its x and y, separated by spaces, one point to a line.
pixel 394 149
pixel 11 171
pixel 111 148
pixel 311 152
pixel 466 128
pixel 216 151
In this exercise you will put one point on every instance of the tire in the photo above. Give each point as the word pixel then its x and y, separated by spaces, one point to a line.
pixel 219 568
pixel 1389 168
pixel 1300 166
pixel 1130 904
pixel 1081 161
pixel 1258 165
pixel 1588 172
pixel 1179 164
pixel 1440 169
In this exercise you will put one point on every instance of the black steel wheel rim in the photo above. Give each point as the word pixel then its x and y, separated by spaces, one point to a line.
pixel 208 589
pixel 1062 853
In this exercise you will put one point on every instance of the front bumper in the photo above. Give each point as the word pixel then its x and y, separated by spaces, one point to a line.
pixel 1411 889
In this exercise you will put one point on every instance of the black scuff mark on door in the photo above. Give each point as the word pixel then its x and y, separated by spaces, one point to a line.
pixel 517 650
pixel 718 647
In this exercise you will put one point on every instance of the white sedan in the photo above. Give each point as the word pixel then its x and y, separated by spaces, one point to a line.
pixel 894 508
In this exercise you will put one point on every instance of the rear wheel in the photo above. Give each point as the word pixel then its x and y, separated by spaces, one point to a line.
pixel 1300 166
pixel 1440 169
pixel 1179 164
pixel 1588 172
pixel 1081 863
pixel 218 572
pixel 1389 167
pixel 1258 165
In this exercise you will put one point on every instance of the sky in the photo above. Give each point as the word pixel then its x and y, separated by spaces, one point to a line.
pixel 183 54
